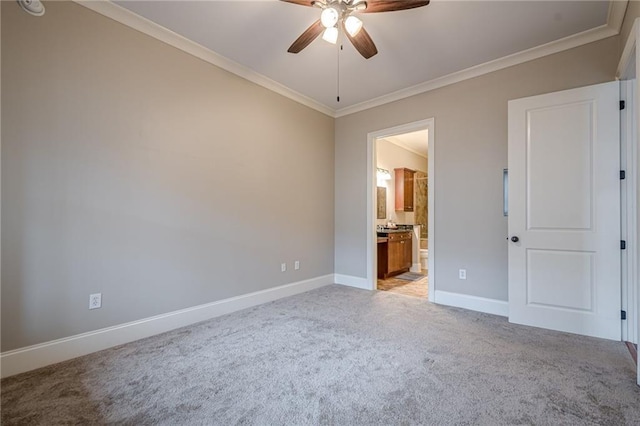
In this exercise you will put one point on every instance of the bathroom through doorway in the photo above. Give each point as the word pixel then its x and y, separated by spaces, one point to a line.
pixel 401 217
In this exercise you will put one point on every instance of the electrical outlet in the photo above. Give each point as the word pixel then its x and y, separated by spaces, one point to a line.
pixel 283 267
pixel 462 274
pixel 95 301
pixel 296 265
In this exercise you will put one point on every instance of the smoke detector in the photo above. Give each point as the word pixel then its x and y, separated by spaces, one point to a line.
pixel 32 7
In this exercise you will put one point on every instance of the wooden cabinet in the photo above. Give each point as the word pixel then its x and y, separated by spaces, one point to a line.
pixel 407 254
pixel 394 255
pixel 383 257
pixel 404 189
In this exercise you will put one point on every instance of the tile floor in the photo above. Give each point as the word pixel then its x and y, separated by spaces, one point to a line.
pixel 418 288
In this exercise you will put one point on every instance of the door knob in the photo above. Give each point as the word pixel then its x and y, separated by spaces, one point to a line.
pixel 515 239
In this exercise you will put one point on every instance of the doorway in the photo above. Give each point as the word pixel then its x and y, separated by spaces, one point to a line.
pixel 401 213
pixel 400 209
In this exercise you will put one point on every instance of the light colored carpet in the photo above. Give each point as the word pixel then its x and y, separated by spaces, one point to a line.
pixel 339 356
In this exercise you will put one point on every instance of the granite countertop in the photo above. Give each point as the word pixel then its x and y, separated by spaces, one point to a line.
pixel 393 231
pixel 400 228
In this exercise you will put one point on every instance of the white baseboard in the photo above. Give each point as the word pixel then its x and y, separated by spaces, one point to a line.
pixel 416 267
pixel 43 354
pixel 352 281
pixel 473 303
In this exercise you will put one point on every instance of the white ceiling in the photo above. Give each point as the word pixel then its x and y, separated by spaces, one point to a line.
pixel 415 46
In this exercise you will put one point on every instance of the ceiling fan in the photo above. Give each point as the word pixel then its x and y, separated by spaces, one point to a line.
pixel 339 14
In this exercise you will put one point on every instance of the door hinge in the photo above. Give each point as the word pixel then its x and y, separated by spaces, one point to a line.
pixel 623 315
pixel 623 175
pixel 622 104
pixel 623 244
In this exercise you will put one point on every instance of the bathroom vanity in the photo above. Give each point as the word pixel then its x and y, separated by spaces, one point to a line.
pixel 395 252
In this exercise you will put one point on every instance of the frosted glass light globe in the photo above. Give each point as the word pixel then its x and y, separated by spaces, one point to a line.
pixel 353 25
pixel 330 35
pixel 329 17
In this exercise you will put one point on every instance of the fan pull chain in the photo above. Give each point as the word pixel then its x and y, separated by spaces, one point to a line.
pixel 338 72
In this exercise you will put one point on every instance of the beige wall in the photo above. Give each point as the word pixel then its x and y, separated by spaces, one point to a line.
pixel 470 153
pixel 633 12
pixel 133 169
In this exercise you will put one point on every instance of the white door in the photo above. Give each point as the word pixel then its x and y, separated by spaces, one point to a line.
pixel 564 211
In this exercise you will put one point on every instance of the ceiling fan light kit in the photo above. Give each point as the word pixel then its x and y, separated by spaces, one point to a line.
pixel 337 14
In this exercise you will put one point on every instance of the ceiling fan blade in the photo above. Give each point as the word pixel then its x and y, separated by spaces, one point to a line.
pixel 363 43
pixel 375 6
pixel 306 37
pixel 300 2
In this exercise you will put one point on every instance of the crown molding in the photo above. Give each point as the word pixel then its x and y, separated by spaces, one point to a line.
pixel 537 52
pixel 615 18
pixel 628 56
pixel 405 147
pixel 617 10
pixel 150 28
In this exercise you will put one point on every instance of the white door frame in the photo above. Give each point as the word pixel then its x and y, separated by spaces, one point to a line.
pixel 628 200
pixel 627 70
pixel 372 245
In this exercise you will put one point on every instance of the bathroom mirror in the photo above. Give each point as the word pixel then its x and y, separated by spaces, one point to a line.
pixel 382 202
